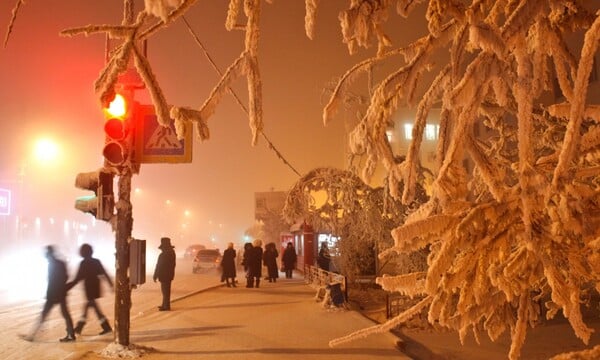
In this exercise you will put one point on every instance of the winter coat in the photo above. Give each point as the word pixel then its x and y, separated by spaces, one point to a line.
pixel 247 250
pixel 254 261
pixel 270 260
pixel 228 263
pixel 324 259
pixel 289 258
pixel 57 279
pixel 89 271
pixel 165 266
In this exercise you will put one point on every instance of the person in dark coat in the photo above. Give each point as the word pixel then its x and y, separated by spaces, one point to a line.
pixel 254 261
pixel 247 250
pixel 270 260
pixel 228 265
pixel 56 293
pixel 289 259
pixel 165 272
pixel 324 258
pixel 90 270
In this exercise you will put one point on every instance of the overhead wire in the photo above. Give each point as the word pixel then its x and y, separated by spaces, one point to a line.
pixel 237 99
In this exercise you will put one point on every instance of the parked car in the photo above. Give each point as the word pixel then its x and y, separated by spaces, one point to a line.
pixel 192 250
pixel 206 259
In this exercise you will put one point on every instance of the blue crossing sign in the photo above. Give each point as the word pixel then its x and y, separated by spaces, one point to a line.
pixel 158 144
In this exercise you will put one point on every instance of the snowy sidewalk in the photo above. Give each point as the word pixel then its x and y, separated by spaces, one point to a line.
pixel 277 321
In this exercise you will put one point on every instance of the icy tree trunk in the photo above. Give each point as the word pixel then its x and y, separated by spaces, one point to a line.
pixel 122 235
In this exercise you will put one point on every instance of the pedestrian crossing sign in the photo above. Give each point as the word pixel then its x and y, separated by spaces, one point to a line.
pixel 159 144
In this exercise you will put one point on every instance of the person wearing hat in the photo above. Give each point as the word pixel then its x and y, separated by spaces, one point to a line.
pixel 165 271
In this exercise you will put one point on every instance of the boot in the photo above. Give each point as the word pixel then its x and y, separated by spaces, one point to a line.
pixel 257 282
pixel 79 326
pixel 233 282
pixel 68 338
pixel 250 282
pixel 105 327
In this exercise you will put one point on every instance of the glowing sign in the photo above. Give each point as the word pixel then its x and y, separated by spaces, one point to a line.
pixel 4 202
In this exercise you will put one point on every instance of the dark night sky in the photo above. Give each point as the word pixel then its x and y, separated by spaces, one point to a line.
pixel 47 89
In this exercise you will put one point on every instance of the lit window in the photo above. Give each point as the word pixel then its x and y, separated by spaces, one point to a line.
pixel 408 131
pixel 431 131
pixel 388 134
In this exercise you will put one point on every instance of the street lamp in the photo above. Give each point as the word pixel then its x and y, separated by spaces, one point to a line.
pixel 46 151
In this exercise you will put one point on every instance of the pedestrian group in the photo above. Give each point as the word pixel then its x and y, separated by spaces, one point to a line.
pixel 91 271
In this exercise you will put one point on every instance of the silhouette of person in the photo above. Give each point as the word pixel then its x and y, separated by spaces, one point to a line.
pixel 90 270
pixel 270 260
pixel 165 272
pixel 247 254
pixel 289 259
pixel 56 293
pixel 228 265
pixel 324 257
pixel 254 261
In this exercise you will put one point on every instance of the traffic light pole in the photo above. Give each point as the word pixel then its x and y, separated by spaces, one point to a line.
pixel 122 235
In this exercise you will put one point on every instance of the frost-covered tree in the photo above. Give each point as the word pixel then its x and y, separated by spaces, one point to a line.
pixel 339 202
pixel 362 217
pixel 524 226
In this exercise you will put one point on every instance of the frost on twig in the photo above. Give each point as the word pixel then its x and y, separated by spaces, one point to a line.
pixel 13 18
pixel 128 52
pixel 514 215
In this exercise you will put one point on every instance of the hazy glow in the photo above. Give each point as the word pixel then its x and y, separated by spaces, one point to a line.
pixel 32 269
pixel 46 150
pixel 117 107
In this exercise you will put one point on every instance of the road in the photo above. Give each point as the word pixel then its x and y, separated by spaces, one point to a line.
pixel 276 321
pixel 18 318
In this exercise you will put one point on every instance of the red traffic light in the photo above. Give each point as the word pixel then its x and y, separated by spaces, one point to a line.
pixel 115 150
pixel 118 107
pixel 119 130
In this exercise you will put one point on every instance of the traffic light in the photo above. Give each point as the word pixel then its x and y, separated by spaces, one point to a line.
pixel 119 129
pixel 102 204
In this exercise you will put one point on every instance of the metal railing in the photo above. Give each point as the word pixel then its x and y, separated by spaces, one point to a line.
pixel 320 277
pixel 393 305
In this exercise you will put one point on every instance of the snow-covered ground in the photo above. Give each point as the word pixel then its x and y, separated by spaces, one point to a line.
pixel 277 321
pixel 17 318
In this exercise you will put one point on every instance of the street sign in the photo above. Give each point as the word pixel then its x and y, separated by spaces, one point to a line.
pixel 4 202
pixel 158 144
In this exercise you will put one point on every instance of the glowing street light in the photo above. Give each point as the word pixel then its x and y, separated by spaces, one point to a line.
pixel 46 150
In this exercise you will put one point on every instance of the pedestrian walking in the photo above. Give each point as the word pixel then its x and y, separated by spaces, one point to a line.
pixel 254 261
pixel 270 260
pixel 56 293
pixel 165 272
pixel 228 265
pixel 90 270
pixel 324 258
pixel 289 259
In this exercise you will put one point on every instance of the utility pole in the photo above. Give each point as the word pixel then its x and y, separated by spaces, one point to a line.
pixel 122 235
